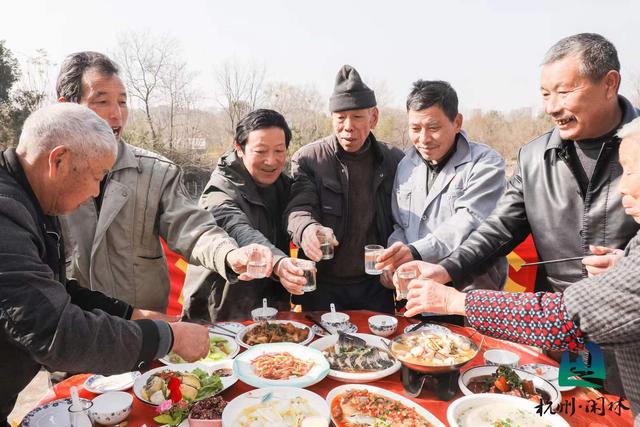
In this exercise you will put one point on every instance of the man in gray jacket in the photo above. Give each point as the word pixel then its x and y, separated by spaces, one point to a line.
pixel 114 238
pixel 46 320
pixel 445 186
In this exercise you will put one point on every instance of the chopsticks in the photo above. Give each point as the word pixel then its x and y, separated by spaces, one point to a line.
pixel 315 322
pixel 552 261
pixel 229 331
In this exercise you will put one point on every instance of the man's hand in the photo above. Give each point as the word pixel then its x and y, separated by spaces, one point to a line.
pixel 238 259
pixel 386 279
pixel 139 314
pixel 311 244
pixel 190 341
pixel 425 270
pixel 291 276
pixel 394 256
pixel 603 259
pixel 429 296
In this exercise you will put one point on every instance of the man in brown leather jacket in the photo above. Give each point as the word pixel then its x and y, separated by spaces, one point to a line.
pixel 342 185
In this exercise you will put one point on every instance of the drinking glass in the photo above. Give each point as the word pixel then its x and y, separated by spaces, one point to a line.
pixel 309 270
pixel 371 252
pixel 257 265
pixel 80 417
pixel 404 277
pixel 325 237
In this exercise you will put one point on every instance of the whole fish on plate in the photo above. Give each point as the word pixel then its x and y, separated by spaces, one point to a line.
pixel 353 354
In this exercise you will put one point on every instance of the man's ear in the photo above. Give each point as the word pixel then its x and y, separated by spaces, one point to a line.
pixel 612 81
pixel 57 158
pixel 373 120
pixel 458 122
pixel 238 149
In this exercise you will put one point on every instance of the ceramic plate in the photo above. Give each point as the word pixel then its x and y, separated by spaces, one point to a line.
pixel 232 328
pixel 427 327
pixel 187 367
pixel 548 372
pixel 241 334
pixel 101 384
pixel 538 382
pixel 50 415
pixel 333 394
pixel 231 345
pixel 358 377
pixel 500 402
pixel 317 330
pixel 278 395
pixel 245 371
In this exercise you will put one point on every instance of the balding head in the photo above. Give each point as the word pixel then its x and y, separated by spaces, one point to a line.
pixel 65 150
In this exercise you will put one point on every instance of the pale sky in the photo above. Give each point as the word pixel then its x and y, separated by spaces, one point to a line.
pixel 489 51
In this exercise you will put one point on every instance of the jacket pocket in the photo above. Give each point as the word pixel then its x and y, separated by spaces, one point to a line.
pixel 404 207
pixel 331 205
pixel 152 283
pixel 452 197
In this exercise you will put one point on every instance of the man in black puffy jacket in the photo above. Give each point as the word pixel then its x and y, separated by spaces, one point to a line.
pixel 64 152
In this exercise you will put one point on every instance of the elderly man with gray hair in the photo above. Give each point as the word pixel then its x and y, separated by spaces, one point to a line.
pixel 563 191
pixel 64 152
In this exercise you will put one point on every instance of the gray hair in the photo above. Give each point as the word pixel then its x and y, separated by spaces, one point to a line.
pixel 597 55
pixel 72 125
pixel 630 130
pixel 73 68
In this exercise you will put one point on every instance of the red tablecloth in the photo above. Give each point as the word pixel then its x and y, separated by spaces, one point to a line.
pixel 143 413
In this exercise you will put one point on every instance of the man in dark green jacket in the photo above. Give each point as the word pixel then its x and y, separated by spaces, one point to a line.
pixel 247 194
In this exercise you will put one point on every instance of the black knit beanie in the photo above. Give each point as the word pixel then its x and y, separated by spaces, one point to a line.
pixel 350 92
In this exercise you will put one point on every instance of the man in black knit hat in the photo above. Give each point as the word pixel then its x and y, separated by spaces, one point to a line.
pixel 342 188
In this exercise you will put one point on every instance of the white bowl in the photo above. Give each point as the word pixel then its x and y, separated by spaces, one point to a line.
pixel 539 383
pixel 337 320
pixel 498 357
pixel 505 402
pixel 111 407
pixel 383 325
pixel 263 313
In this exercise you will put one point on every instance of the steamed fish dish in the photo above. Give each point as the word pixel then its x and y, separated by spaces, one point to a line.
pixel 194 385
pixel 431 348
pixel 353 354
pixel 276 413
pixel 499 415
pixel 266 332
pixel 219 348
pixel 361 408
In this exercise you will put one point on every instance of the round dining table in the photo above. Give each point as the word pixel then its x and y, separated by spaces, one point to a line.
pixel 587 407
